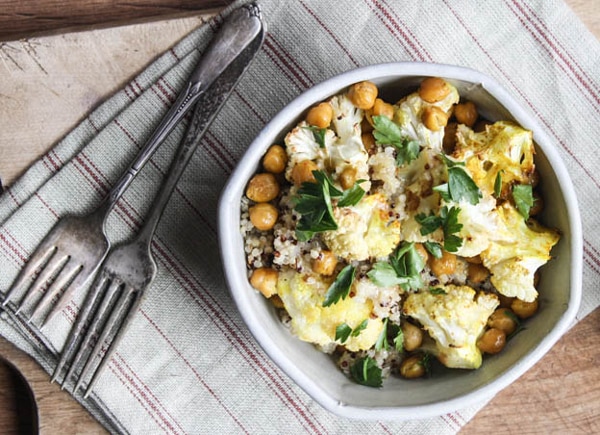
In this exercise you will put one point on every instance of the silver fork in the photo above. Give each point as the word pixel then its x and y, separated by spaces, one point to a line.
pixel 69 255
pixel 130 268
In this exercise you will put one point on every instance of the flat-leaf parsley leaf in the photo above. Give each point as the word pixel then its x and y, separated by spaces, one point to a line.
pixel 366 372
pixel 387 132
pixel 340 288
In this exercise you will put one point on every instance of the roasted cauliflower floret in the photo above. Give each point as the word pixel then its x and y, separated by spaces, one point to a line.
pixel 302 295
pixel 519 250
pixel 364 230
pixel 503 148
pixel 454 316
pixel 300 145
pixel 408 115
pixel 346 117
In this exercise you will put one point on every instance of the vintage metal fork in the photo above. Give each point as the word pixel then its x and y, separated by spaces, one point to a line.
pixel 130 268
pixel 69 255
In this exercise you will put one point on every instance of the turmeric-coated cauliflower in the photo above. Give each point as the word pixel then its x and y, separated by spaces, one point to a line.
pixel 503 150
pixel 519 250
pixel 302 295
pixel 364 230
pixel 454 316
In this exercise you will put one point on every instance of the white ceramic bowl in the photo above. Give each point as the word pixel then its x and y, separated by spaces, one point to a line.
pixel 315 372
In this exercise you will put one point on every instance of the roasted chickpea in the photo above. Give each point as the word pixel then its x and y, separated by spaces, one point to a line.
pixel 263 216
pixel 504 320
pixel 413 336
pixel 523 309
pixel 276 301
pixel 475 260
pixel 434 89
pixel 466 113
pixel 320 115
pixel 303 172
pixel 449 140
pixel 422 251
pixel 265 281
pixel 368 141
pixel 325 263
pixel 505 301
pixel 434 118
pixel 381 108
pixel 477 273
pixel 481 125
pixel 363 95
pixel 262 187
pixel 492 341
pixel 348 177
pixel 538 205
pixel 275 159
pixel 412 367
pixel 445 265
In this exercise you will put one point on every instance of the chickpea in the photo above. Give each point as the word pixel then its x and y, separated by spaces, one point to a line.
pixel 538 205
pixel 325 263
pixel 303 172
pixel 505 301
pixel 477 273
pixel 504 320
pixel 434 118
pixel 348 177
pixel 262 187
pixel 263 216
pixel 276 301
pixel 381 108
pixel 434 89
pixel 449 141
pixel 475 260
pixel 412 367
pixel 492 341
pixel 445 265
pixel 363 95
pixel 320 115
pixel 368 141
pixel 523 309
pixel 265 281
pixel 481 125
pixel 422 251
pixel 275 159
pixel 466 113
pixel 413 336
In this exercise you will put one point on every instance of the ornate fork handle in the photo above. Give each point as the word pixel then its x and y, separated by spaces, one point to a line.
pixel 233 37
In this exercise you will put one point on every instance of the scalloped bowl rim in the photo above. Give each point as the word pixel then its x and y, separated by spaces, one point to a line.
pixel 345 402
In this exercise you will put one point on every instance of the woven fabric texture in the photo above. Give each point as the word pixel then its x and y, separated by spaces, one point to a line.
pixel 188 364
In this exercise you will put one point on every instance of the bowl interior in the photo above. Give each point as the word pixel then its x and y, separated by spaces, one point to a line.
pixel 446 390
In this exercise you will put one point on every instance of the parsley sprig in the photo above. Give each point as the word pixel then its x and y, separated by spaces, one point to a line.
pixel 523 197
pixel 340 288
pixel 314 204
pixel 460 185
pixel 387 132
pixel 448 221
pixel 344 331
pixel 366 372
pixel 318 134
pixel 390 330
pixel 403 269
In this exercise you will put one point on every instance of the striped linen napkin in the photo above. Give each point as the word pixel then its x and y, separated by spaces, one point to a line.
pixel 188 363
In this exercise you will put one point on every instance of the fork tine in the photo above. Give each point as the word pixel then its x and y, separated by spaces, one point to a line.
pixel 52 267
pixel 78 282
pixel 39 258
pixel 66 275
pixel 75 335
pixel 109 324
pixel 104 306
